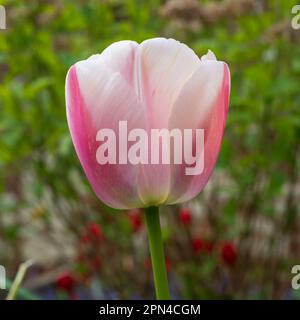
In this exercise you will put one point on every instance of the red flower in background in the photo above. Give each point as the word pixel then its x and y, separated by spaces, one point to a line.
pixel 168 264
pixel 198 245
pixel 91 233
pixel 95 230
pixel 135 219
pixel 185 216
pixel 65 282
pixel 201 245
pixel 229 253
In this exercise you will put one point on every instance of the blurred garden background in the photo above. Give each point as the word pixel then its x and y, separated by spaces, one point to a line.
pixel 238 239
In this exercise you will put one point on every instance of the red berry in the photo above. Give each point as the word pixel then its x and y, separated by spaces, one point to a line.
pixel 95 230
pixel 229 254
pixel 198 245
pixel 135 220
pixel 65 282
pixel 185 216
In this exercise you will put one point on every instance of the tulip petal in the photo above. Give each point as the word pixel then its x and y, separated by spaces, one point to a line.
pixel 209 56
pixel 92 104
pixel 162 67
pixel 120 57
pixel 203 104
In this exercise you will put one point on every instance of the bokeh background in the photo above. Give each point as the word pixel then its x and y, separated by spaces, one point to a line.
pixel 238 239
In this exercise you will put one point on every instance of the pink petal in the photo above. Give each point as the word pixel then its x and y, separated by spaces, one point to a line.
pixel 120 57
pixel 99 99
pixel 202 104
pixel 162 66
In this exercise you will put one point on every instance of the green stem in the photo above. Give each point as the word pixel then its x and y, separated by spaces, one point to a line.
pixel 22 293
pixel 157 254
pixel 15 285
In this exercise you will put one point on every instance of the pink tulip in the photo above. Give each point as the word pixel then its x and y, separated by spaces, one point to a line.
pixel 160 83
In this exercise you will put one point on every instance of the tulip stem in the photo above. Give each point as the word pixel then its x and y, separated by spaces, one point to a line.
pixel 157 254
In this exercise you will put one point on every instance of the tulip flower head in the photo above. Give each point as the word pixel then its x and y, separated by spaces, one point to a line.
pixel 147 121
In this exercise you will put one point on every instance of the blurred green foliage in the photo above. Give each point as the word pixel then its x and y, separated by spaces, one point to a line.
pixel 259 160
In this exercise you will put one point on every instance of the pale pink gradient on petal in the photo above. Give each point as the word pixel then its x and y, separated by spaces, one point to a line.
pixel 120 57
pixel 162 66
pixel 114 184
pixel 209 112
